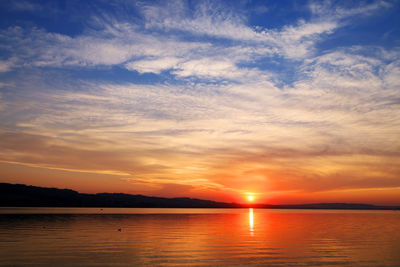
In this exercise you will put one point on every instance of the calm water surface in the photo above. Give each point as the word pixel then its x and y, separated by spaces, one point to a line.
pixel 198 237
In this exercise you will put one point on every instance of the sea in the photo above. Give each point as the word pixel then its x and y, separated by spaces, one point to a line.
pixel 198 237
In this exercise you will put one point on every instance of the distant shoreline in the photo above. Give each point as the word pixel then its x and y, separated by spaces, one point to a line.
pixel 19 195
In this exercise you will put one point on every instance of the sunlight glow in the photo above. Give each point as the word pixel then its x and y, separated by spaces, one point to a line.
pixel 251 198
pixel 251 221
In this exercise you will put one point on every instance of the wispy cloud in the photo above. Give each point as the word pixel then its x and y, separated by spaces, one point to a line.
pixel 327 128
pixel 239 100
pixel 159 46
pixel 7 65
pixel 329 9
pixel 21 5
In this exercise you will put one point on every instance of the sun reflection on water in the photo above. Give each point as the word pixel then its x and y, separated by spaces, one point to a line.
pixel 251 221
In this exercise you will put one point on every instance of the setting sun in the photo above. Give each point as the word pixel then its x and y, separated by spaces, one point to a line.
pixel 251 198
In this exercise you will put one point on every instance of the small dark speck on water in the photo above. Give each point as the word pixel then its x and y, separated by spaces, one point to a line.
pixel 119 230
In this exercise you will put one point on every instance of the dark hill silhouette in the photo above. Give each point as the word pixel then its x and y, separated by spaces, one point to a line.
pixel 18 195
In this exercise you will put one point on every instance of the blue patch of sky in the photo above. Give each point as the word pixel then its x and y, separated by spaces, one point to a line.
pixel 53 16
pixel 67 17
pixel 118 74
pixel 382 29
pixel 277 14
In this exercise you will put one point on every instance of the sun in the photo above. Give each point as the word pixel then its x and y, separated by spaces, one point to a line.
pixel 250 198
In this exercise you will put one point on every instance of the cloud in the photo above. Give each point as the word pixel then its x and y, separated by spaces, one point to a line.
pixel 7 65
pixel 208 19
pixel 348 10
pixel 201 68
pixel 207 67
pixel 44 151
pixel 2 103
pixel 293 41
pixel 21 5
pixel 38 48
pixel 337 123
pixel 391 75
pixel 153 65
pixel 159 46
pixel 226 118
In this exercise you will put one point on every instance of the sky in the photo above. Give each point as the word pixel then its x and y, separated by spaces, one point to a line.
pixel 287 101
